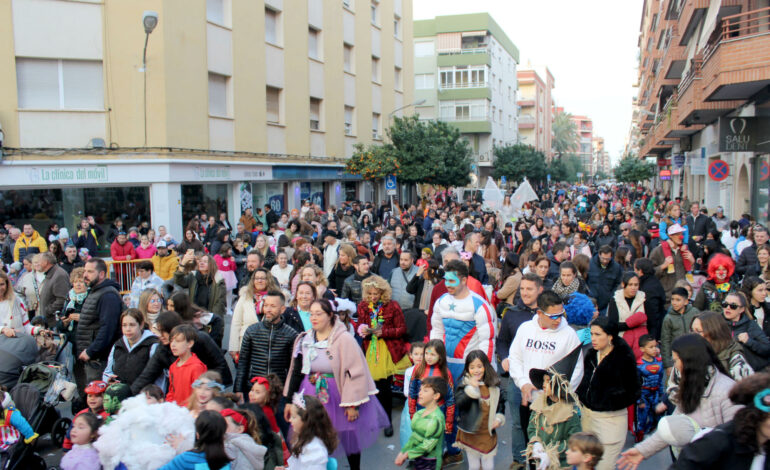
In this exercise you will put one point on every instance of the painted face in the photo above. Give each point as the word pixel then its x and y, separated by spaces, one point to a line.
pixel 451 279
pixel 431 356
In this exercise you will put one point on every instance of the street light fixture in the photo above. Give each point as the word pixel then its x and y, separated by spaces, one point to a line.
pixel 416 103
pixel 149 22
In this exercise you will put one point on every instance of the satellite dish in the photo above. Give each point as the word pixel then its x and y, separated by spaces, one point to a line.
pixel 474 179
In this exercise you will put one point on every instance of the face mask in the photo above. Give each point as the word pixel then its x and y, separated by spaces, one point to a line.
pixel 451 279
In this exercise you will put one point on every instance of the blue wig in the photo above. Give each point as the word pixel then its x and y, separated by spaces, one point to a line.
pixel 580 309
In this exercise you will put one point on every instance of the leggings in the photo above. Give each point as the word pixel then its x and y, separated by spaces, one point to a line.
pixel 385 395
pixel 354 460
pixel 480 462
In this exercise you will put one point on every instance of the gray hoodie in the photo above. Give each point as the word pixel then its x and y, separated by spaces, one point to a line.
pixel 246 453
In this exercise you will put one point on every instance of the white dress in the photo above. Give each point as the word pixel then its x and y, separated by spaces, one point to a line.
pixel 314 456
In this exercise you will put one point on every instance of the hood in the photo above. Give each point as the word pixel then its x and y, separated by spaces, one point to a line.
pixel 245 444
pixel 106 283
pixel 145 335
pixel 35 235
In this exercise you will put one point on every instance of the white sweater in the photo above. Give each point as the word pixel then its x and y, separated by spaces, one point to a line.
pixel 536 348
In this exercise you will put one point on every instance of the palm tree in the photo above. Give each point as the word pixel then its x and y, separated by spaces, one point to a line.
pixel 565 135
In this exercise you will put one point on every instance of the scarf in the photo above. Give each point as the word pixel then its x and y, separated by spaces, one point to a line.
pixel 75 299
pixel 310 350
pixel 682 249
pixel 565 291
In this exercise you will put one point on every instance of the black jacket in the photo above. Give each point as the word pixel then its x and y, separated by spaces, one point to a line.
pixel 266 349
pixel 338 275
pixel 747 262
pixel 717 450
pixel 292 319
pixel 612 384
pixel 128 365
pixel 757 348
pixel 69 267
pixel 351 288
pixel 480 266
pixel 99 324
pixel 654 303
pixel 383 265
pixel 510 324
pixel 205 348
pixel 603 282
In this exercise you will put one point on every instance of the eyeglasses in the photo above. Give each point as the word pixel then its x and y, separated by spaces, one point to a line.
pixel 556 316
pixel 155 301
pixel 731 306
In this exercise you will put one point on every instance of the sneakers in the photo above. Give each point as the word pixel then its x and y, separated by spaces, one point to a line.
pixel 389 431
pixel 452 459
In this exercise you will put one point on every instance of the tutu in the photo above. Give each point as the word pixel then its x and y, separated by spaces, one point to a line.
pixel 356 435
pixel 405 429
pixel 380 362
pixel 231 281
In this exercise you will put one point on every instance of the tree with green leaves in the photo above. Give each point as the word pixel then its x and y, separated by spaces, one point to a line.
pixel 372 162
pixel 633 170
pixel 517 161
pixel 565 134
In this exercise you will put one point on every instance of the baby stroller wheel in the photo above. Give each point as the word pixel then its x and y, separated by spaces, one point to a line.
pixel 31 461
pixel 59 431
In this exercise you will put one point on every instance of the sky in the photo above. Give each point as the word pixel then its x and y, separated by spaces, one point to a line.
pixel 590 47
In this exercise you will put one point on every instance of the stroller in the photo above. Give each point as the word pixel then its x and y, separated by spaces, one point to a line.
pixel 42 386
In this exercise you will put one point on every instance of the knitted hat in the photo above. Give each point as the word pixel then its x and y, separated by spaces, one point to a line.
pixel 64 233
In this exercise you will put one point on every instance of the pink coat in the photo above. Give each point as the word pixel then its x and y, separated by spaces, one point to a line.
pixel 145 253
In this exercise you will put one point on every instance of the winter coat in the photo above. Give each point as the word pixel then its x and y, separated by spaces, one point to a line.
pixel 631 319
pixel 383 265
pixel 509 325
pixel 393 327
pixel 120 252
pixel 747 262
pixel 675 325
pixel 165 266
pixel 612 384
pixel 510 288
pixel 217 291
pixel 89 238
pixel 28 246
pixel 667 280
pixel 246 454
pixel 716 450
pixel 99 325
pixel 757 348
pixel 468 408
pixel 709 297
pixel 765 307
pixel 654 303
pixel 351 288
pixel 244 315
pixel 266 349
pixel 734 361
pixel 194 245
pixel 715 408
pixel 603 281
pixel 338 276
pixel 609 240
pixel 128 364
pixel 53 293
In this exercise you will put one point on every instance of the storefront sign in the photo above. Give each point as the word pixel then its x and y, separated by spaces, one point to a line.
pixel 744 134
pixel 69 175
pixel 697 161
pixel 678 161
pixel 665 175
pixel 209 173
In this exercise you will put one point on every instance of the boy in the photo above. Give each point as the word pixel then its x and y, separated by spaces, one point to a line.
pixel 95 404
pixel 649 405
pixel 584 451
pixel 425 445
pixel 186 368
pixel 676 323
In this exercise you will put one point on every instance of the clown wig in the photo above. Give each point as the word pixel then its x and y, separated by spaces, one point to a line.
pixel 717 261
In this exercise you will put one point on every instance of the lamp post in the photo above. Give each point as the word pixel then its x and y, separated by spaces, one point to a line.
pixel 416 103
pixel 149 22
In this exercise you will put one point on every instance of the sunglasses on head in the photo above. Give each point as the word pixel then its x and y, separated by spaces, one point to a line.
pixel 731 306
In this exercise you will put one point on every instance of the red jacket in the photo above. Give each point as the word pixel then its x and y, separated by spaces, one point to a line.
pixel 393 328
pixel 181 378
pixel 119 252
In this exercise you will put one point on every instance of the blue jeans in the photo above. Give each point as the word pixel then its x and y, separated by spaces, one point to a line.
pixel 518 439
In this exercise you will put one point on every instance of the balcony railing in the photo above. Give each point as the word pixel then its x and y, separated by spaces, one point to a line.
pixel 472 50
pixel 740 26
pixel 693 73
pixel 453 86
pixel 472 117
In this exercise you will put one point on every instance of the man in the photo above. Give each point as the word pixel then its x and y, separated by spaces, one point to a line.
pixel 6 253
pixel 720 220
pixel 446 224
pixel 270 217
pixel 224 222
pixel 554 236
pixel 351 288
pixel 699 225
pixel 604 276
pixel 400 277
pixel 29 243
pixel 71 260
pixel 525 309
pixel 386 260
pixel 558 254
pixel 472 241
pixel 438 245
pixel 672 259
pixel 165 261
pixel 99 325
pixel 747 263
pixel 145 279
pixel 254 261
pixel 55 289
pixel 331 249
pixel 247 220
pixel 120 249
pixel 654 295
pixel 88 234
pixel 491 226
pixel 540 343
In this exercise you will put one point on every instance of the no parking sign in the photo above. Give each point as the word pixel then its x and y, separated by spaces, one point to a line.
pixel 719 170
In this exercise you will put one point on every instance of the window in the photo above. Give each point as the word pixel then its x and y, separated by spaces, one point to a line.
pixel 397 27
pixel 348 57
pixel 463 77
pixel 424 49
pixel 215 11
pixel 375 13
pixel 60 84
pixel 475 110
pixel 347 3
pixel 500 115
pixel 218 101
pixel 500 85
pixel 494 112
pixel 462 111
pixel 424 81
pixel 510 94
pixel 375 69
pixel 398 85
pixel 313 43
pixel 315 114
pixel 273 105
pixel 375 125
pixel 349 120
pixel 271 26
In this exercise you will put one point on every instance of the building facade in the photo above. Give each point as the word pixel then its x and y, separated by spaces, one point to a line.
pixel 230 104
pixel 465 71
pixel 601 159
pixel 703 99
pixel 536 109
pixel 585 151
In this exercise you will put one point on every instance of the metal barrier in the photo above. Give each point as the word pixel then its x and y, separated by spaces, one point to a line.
pixel 123 272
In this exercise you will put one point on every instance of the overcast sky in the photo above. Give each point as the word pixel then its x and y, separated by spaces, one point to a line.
pixel 590 48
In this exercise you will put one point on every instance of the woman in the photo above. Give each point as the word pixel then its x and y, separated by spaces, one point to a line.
pixel 281 271
pixel 55 247
pixel 197 316
pixel 240 256
pixel 146 249
pixel 511 279
pixel 627 310
pixel 262 245
pixel 382 326
pixel 755 291
pixel 673 216
pixel 205 286
pixel 507 210
pixel 608 388
pixel 328 363
pixel 313 273
pixel 763 262
pixel 131 351
pixel 740 444
pixel 538 230
pixel 13 317
pixel 301 259
pixel 150 304
pixel 297 315
pixel 190 242
pixel 699 388
pixel 713 328
pixel 489 249
pixel 582 263
pixel 29 285
pixel 535 246
pixel 421 285
pixel 248 309
pixel 68 322
pixel 624 258
pixel 569 282
pixel 542 265
pixel 343 268
pixel 454 241
pixel 713 292
pixel 754 341
pixel 521 237
pixel 605 237
pixel 115 228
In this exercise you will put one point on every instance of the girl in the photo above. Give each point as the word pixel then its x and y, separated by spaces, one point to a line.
pixel 227 267
pixel 755 290
pixel 626 309
pixel 480 411
pixel 266 392
pixel 209 450
pixel 243 447
pixel 416 353
pixel 263 246
pixel 153 394
pixel 281 271
pixel 206 387
pixel 131 352
pixel 83 456
pixel 315 436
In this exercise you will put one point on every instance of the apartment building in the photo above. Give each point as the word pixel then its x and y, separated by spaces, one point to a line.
pixel 704 71
pixel 223 105
pixel 601 158
pixel 585 151
pixel 536 109
pixel 465 74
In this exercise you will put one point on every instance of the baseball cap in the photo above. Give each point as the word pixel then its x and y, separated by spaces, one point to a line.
pixel 161 244
pixel 674 229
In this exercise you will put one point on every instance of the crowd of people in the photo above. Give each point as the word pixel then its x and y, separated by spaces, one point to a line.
pixel 282 341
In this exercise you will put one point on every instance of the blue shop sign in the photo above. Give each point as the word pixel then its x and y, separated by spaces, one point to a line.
pixel 311 173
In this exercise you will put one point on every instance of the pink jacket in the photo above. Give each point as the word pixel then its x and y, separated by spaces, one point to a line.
pixel 145 253
pixel 224 264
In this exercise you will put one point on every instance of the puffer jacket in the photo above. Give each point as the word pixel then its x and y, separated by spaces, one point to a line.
pixel 29 246
pixel 715 408
pixel 757 348
pixel 674 326
pixel 99 325
pixel 266 349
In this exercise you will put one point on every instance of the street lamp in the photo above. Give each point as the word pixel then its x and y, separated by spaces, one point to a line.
pixel 149 22
pixel 416 103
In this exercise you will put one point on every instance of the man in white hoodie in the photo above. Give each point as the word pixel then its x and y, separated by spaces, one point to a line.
pixel 540 343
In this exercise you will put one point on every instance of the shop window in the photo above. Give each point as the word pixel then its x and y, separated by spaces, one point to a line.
pixel 203 198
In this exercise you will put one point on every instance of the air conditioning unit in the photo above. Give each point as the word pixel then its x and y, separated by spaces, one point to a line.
pixel 97 143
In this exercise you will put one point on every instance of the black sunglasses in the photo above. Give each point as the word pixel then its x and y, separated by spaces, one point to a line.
pixel 731 306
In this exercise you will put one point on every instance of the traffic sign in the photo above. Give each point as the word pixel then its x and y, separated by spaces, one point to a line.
pixel 503 179
pixel 391 184
pixel 764 171
pixel 719 170
pixel 548 177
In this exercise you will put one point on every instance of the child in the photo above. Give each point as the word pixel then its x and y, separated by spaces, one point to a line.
pixel 206 386
pixel 243 448
pixel 95 404
pixel 650 368
pixel 477 397
pixel 584 451
pixel 315 437
pixel 186 368
pixel 416 352
pixel 266 392
pixel 154 394
pixel 13 426
pixel 83 455
pixel 676 323
pixel 424 445
pixel 209 449
pixel 277 451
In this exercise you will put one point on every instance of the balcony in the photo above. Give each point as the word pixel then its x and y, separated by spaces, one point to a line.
pixel 526 102
pixel 464 56
pixel 692 12
pixel 526 121
pixel 463 85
